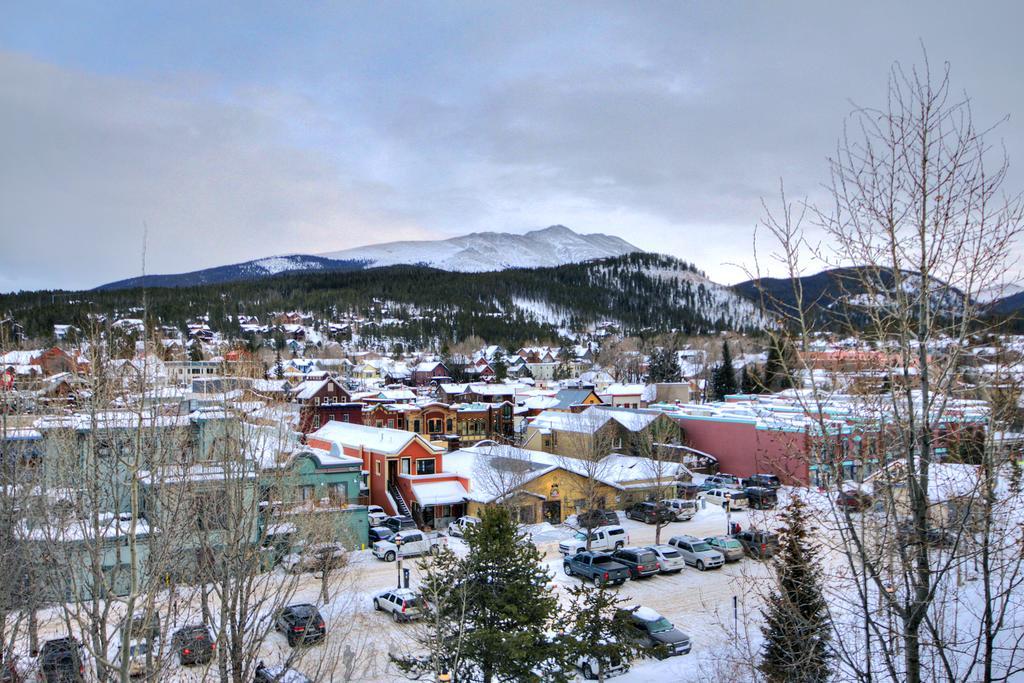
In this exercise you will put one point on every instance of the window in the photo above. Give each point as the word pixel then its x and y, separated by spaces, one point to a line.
pixel 307 492
pixel 406 465
pixel 449 424
pixel 377 467
pixel 391 423
pixel 344 418
pixel 380 423
pixel 425 466
pixel 330 388
pixel 338 493
pixel 316 422
pixel 316 400
pixel 435 425
pixel 416 426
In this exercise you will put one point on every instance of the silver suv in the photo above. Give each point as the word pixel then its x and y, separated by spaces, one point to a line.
pixel 696 552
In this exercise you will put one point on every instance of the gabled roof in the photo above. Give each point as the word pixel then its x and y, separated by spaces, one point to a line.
pixel 377 439
pixel 571 397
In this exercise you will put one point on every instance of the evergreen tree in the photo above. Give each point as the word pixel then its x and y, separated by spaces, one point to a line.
pixel 493 610
pixel 598 627
pixel 776 374
pixel 278 365
pixel 749 382
pixel 664 366
pixel 797 630
pixel 723 379
pixel 195 351
pixel 500 367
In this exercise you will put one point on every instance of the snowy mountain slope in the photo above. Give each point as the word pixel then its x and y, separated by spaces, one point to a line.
pixel 486 251
pixel 249 270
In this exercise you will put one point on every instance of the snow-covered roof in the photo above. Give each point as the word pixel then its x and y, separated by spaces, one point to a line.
pixel 439 492
pixel 379 439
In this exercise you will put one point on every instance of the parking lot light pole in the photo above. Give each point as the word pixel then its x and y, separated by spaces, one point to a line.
pixel 728 517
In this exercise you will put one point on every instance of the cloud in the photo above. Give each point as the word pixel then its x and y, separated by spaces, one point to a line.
pixel 89 160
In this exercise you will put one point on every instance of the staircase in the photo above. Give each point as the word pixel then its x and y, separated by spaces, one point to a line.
pixel 400 505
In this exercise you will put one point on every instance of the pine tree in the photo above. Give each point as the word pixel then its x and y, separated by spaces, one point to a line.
pixel 749 382
pixel 664 366
pixel 797 629
pixel 723 380
pixel 776 374
pixel 278 365
pixel 495 603
pixel 500 367
pixel 598 627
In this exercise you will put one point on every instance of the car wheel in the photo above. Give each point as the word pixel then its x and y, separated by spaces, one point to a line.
pixel 618 546
pixel 389 556
pixel 597 580
pixel 291 641
pixel 568 570
pixel 588 673
pixel 395 617
pixel 434 550
pixel 376 605
pixel 700 565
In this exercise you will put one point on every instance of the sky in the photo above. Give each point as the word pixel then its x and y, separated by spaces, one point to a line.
pixel 225 132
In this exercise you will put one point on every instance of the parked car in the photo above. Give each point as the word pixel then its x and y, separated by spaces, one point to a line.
pixel 933 536
pixel 761 497
pixel 61 661
pixel 768 481
pixel 641 562
pixel 736 499
pixel 143 626
pixel 669 558
pixel 592 519
pixel 687 490
pixel 398 522
pixel 278 674
pixel 593 670
pixel 403 604
pixel 380 533
pixel 721 481
pixel 650 513
pixel 601 568
pixel 853 501
pixel 697 553
pixel 654 630
pixel 408 543
pixel 758 544
pixel 376 515
pixel 730 548
pixel 458 527
pixel 315 558
pixel 301 623
pixel 138 652
pixel 193 644
pixel 683 509
pixel 602 538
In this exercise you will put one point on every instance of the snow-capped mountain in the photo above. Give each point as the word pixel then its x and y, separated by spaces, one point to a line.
pixel 999 291
pixel 484 251
pixel 249 270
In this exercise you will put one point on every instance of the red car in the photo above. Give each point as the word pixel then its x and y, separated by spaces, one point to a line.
pixel 854 501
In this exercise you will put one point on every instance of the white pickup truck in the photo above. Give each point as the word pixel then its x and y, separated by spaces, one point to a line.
pixel 610 537
pixel 458 527
pixel 408 543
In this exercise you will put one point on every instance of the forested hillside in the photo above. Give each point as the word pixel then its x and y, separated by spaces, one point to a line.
pixel 640 293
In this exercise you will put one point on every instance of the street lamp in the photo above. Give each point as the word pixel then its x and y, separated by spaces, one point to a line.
pixel 398 556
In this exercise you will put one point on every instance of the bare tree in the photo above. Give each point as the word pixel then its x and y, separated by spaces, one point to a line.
pixel 917 207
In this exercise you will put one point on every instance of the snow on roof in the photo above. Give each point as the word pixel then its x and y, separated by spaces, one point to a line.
pixel 619 389
pixel 629 468
pixel 592 419
pixel 309 388
pixel 109 526
pixel 379 439
pixel 439 492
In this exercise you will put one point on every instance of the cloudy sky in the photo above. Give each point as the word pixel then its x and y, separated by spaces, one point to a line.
pixel 236 131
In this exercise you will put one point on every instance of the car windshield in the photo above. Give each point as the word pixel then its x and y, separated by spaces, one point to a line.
pixel 731 543
pixel 701 547
pixel 580 536
pixel 646 558
pixel 660 625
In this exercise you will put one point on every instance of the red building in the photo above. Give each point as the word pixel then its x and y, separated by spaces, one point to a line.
pixel 403 472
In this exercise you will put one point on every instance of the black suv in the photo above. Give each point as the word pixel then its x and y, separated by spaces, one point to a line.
pixel 60 661
pixel 649 512
pixel 759 544
pixel 761 497
pixel 640 561
pixel 194 645
pixel 301 623
pixel 278 674
pixel 399 522
pixel 592 519
pixel 768 481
